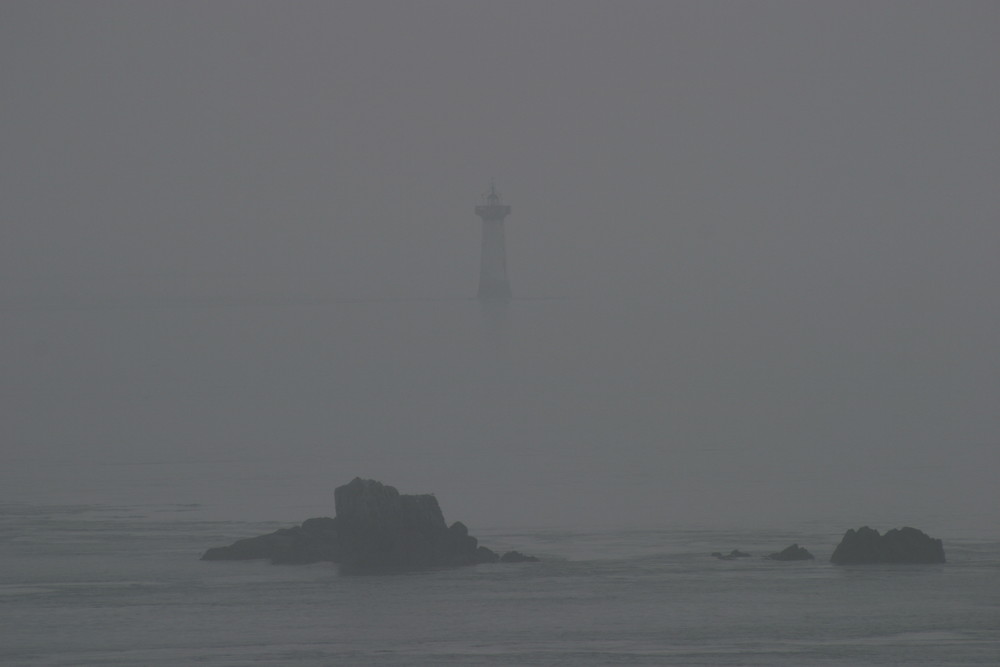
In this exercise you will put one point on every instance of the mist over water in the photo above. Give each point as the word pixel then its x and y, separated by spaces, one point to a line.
pixel 753 253
pixel 568 412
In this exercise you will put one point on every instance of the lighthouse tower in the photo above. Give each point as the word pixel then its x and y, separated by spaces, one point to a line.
pixel 493 285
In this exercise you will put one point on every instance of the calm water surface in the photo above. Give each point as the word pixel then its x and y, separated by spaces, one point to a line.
pixel 122 585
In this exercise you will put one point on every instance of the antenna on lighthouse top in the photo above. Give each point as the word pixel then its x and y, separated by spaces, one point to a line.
pixel 493 198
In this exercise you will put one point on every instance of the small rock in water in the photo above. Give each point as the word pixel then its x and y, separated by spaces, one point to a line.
pixel 517 557
pixel 793 552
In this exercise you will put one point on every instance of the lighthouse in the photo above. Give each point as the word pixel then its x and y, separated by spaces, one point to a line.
pixel 493 285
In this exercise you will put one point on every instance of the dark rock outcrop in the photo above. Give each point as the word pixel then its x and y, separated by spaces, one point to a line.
pixel 902 545
pixel 732 555
pixel 376 529
pixel 793 552
pixel 381 529
pixel 517 557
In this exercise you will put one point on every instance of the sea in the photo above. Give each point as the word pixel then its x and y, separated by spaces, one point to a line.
pixel 122 584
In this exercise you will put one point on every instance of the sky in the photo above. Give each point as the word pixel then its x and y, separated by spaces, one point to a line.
pixel 753 247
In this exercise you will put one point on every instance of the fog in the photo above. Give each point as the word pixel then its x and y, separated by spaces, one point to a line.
pixel 753 250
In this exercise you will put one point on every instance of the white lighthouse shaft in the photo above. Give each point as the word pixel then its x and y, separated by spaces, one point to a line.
pixel 493 283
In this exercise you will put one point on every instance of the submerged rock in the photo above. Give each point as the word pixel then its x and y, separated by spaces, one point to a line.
pixel 376 529
pixel 793 552
pixel 902 545
pixel 732 555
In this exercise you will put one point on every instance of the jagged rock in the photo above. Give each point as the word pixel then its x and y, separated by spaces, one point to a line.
pixel 517 557
pixel 376 529
pixel 793 552
pixel 735 553
pixel 903 545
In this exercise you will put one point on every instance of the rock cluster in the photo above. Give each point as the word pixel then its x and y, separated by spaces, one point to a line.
pixel 376 529
pixel 902 545
pixel 865 545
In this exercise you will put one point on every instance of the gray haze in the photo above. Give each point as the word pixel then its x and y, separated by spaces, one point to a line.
pixel 758 243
